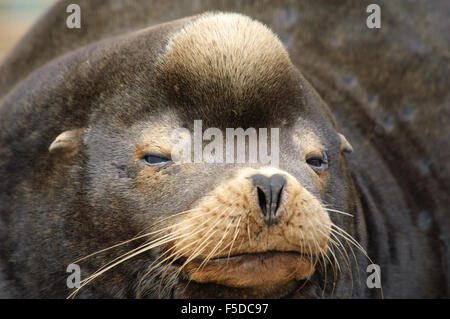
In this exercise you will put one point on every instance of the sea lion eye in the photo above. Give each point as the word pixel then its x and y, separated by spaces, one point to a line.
pixel 154 160
pixel 318 162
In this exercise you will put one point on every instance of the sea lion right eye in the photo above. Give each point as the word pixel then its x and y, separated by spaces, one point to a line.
pixel 318 162
pixel 154 160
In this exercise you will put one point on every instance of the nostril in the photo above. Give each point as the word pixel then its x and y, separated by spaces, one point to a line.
pixel 262 201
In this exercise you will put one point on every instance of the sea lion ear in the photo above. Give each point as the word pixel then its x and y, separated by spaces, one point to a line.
pixel 345 145
pixel 67 142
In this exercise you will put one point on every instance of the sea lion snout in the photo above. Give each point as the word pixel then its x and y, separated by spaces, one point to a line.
pixel 259 214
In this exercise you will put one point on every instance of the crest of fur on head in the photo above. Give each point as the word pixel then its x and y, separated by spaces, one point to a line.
pixel 227 55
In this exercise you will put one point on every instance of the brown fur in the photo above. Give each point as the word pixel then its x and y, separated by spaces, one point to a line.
pixel 113 90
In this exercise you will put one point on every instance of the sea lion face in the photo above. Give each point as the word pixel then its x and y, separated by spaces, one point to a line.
pixel 221 229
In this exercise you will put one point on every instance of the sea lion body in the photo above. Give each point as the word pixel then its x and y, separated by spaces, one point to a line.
pixel 124 88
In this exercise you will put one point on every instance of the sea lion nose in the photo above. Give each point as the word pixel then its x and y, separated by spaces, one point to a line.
pixel 269 192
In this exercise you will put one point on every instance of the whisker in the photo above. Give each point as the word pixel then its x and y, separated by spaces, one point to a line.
pixel 177 253
pixel 225 233
pixel 236 232
pixel 350 239
pixel 338 211
pixel 134 238
pixel 126 257
pixel 145 247
pixel 200 248
pixel 347 260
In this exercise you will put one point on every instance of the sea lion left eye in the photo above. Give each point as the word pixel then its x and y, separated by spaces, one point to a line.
pixel 154 160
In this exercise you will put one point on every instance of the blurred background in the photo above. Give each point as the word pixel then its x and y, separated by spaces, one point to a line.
pixel 16 17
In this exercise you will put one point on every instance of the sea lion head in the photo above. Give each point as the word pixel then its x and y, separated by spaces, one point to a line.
pixel 236 228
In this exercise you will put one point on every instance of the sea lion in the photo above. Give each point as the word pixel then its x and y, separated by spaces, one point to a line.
pixel 85 146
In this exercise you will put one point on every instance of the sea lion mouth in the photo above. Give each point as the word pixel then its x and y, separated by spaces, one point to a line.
pixel 252 270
